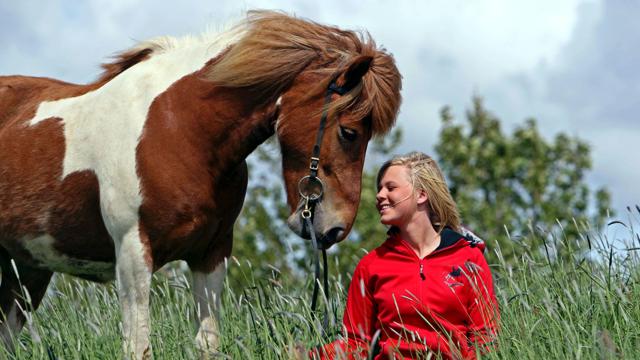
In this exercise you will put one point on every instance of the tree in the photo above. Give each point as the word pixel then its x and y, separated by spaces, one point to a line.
pixel 521 183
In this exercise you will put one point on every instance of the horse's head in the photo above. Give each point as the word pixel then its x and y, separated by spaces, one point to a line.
pixel 347 99
pixel 296 61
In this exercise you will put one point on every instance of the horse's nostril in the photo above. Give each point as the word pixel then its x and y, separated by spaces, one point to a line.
pixel 335 233
pixel 332 236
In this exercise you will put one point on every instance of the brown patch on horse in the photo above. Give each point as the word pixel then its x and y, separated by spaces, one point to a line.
pixel 20 95
pixel 76 222
pixel 9 100
pixel 276 48
pixel 146 247
pixel 193 190
pixel 123 61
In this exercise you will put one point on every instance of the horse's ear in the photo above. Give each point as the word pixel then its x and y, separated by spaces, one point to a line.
pixel 356 70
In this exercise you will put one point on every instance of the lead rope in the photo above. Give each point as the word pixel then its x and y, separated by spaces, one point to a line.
pixel 316 279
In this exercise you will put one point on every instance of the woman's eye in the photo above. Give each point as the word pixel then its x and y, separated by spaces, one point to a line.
pixel 348 134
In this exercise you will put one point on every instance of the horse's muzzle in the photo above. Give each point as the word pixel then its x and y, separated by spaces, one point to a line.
pixel 325 239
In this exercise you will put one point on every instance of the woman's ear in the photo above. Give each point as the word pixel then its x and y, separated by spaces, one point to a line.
pixel 422 197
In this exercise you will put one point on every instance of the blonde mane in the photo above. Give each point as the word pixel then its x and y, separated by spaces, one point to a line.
pixel 275 48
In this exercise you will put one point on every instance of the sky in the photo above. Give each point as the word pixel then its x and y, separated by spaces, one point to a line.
pixel 570 64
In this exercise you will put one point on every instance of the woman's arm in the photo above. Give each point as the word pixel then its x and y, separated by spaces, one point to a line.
pixel 483 306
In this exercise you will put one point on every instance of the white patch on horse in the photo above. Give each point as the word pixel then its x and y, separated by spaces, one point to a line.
pixel 42 250
pixel 207 289
pixel 102 128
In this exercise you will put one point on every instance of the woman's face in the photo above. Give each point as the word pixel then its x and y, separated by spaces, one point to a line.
pixel 396 200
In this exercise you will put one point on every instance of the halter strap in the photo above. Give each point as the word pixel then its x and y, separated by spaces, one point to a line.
pixel 315 154
pixel 310 202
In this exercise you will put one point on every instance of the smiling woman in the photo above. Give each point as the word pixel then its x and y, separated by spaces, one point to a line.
pixel 427 289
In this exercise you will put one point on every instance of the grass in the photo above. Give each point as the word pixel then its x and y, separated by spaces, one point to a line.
pixel 565 308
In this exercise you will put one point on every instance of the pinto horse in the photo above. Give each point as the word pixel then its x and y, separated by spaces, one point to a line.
pixel 114 179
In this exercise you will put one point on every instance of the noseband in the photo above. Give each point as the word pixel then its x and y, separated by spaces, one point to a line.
pixel 311 189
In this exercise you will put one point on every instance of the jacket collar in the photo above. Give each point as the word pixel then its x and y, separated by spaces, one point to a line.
pixel 449 238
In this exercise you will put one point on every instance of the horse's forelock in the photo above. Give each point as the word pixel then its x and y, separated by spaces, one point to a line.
pixel 382 85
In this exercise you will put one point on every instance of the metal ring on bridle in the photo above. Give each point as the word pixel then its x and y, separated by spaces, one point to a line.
pixel 310 195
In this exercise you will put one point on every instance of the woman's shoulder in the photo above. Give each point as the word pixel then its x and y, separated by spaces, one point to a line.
pixel 369 258
pixel 472 244
pixel 374 255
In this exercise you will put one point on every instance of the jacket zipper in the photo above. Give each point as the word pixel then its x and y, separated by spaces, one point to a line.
pixel 421 262
pixel 421 282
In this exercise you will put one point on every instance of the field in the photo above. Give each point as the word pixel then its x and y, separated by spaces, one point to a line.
pixel 583 305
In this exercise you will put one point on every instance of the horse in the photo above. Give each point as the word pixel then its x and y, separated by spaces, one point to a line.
pixel 114 179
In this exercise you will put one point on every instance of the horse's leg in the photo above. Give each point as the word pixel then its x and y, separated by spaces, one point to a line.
pixel 13 299
pixel 207 289
pixel 209 270
pixel 133 273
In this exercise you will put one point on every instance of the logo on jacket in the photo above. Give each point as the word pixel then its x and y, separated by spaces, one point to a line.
pixel 453 279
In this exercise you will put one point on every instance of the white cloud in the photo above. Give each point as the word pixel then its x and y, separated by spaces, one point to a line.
pixel 589 90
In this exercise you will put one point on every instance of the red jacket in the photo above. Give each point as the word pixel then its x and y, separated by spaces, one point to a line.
pixel 444 302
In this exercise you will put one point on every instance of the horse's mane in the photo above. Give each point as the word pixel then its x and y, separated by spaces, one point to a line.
pixel 144 50
pixel 123 61
pixel 275 48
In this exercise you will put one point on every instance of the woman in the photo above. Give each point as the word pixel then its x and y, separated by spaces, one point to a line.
pixel 427 288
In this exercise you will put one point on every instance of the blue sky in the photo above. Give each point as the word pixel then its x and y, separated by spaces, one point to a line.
pixel 570 64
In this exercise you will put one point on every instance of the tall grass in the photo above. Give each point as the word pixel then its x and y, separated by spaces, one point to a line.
pixel 581 306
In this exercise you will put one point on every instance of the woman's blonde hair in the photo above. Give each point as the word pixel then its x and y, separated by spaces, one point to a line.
pixel 425 175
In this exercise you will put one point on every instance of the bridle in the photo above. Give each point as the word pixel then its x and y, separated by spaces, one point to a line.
pixel 311 189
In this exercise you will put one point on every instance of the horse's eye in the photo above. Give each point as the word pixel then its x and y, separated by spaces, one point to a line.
pixel 348 134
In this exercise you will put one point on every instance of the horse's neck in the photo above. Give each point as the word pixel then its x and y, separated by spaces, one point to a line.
pixel 230 123
pixel 241 135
